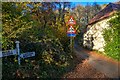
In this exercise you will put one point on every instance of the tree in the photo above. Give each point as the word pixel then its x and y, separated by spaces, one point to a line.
pixel 95 9
pixel 14 23
pixel 83 14
pixel 87 12
pixel 38 28
pixel 79 15
pixel 62 8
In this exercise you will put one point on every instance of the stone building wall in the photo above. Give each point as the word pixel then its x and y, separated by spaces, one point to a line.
pixel 93 38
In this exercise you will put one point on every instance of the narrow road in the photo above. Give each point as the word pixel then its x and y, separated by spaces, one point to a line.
pixel 100 62
pixel 94 65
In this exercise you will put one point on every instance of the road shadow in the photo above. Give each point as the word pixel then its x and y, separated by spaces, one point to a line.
pixel 80 52
pixel 78 58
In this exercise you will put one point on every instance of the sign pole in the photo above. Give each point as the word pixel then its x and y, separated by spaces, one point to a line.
pixel 71 44
pixel 18 51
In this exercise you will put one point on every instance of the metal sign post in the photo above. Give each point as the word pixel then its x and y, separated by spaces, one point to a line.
pixel 18 51
pixel 71 44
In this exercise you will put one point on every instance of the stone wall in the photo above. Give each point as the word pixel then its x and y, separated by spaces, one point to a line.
pixel 93 38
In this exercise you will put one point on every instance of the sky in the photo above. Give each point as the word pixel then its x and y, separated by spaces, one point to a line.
pixel 60 0
pixel 84 2
pixel 92 0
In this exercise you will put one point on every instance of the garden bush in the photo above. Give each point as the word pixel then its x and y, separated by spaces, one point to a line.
pixel 112 38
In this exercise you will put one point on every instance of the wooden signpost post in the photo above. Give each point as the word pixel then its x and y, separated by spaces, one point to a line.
pixel 17 52
pixel 71 32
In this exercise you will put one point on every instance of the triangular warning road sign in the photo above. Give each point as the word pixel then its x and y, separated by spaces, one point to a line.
pixel 71 30
pixel 71 21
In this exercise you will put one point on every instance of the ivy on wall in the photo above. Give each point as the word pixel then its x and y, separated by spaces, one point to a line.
pixel 112 38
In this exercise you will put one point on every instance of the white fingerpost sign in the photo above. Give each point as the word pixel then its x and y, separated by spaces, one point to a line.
pixel 17 52
pixel 8 53
pixel 27 54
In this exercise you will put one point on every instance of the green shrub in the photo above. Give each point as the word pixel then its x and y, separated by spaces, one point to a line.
pixel 39 32
pixel 112 38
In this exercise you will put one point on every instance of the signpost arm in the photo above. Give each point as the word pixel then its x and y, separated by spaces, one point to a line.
pixel 18 51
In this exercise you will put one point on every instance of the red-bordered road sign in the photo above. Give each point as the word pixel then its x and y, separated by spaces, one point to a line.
pixel 71 30
pixel 71 21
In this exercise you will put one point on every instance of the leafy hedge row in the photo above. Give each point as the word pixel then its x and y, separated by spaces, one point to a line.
pixel 38 31
pixel 112 38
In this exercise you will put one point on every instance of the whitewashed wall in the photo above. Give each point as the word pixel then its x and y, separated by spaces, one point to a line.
pixel 93 38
